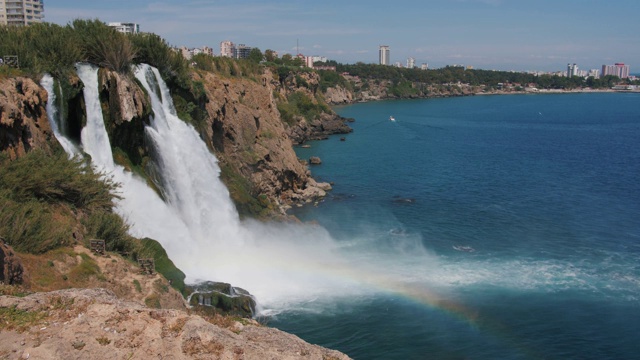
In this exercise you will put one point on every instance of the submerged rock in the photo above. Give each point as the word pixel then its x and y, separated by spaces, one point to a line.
pixel 221 297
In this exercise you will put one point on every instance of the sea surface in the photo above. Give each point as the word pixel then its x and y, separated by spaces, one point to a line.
pixel 508 226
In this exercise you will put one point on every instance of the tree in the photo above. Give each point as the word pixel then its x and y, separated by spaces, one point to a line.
pixel 255 56
pixel 270 55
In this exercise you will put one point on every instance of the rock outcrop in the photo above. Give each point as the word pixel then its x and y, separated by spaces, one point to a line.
pixel 319 129
pixel 338 95
pixel 23 117
pixel 95 324
pixel 11 269
pixel 245 130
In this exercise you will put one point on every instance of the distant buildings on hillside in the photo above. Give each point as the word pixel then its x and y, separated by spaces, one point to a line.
pixel 125 28
pixel 618 69
pixel 229 49
pixel 21 12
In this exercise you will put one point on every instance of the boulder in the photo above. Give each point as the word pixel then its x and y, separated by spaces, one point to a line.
pixel 221 297
pixel 11 269
pixel 314 160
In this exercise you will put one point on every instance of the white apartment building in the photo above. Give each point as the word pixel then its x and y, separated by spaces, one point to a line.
pixel 227 48
pixel 594 73
pixel 21 12
pixel 411 63
pixel 619 69
pixel 384 55
pixel 126 28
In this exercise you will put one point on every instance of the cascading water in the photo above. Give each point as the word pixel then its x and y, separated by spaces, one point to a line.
pixel 281 264
pixel 54 117
pixel 198 225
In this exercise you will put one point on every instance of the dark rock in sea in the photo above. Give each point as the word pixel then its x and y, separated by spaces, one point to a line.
pixel 220 297
pixel 314 160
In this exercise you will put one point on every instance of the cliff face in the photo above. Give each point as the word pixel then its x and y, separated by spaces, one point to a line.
pixel 23 117
pixel 245 130
pixel 241 124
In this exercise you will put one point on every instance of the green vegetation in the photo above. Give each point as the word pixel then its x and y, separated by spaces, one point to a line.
pixel 19 320
pixel 137 285
pixel 86 269
pixel 300 104
pixel 227 66
pixel 455 74
pixel 152 249
pixel 247 201
pixel 42 197
pixel 50 48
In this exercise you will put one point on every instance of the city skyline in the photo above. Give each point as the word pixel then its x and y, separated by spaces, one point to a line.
pixel 539 35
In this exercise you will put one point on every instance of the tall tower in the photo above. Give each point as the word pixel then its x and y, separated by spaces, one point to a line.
pixel 572 70
pixel 384 55
pixel 21 12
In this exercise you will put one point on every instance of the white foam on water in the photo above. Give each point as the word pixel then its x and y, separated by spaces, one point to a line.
pixel 283 265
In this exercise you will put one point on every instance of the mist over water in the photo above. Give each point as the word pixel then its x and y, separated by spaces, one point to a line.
pixel 476 224
pixel 283 265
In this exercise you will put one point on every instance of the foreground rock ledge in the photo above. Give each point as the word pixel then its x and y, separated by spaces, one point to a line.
pixel 95 324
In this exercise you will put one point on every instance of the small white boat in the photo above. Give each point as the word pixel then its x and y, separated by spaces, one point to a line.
pixel 391 118
pixel 464 248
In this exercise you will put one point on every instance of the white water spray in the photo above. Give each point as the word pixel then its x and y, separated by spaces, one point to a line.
pixel 283 265
pixel 54 117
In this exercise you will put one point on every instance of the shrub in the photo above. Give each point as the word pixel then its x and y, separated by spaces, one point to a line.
pixel 154 50
pixel 41 197
pixel 104 46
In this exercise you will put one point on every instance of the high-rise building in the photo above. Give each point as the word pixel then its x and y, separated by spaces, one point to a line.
pixel 411 63
pixel 125 28
pixel 619 69
pixel 227 48
pixel 21 12
pixel 242 51
pixel 572 70
pixel 384 55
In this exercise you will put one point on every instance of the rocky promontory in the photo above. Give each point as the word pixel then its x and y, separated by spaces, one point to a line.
pixel 95 324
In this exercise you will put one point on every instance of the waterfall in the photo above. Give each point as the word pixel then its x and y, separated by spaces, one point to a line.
pixel 280 264
pixel 94 136
pixel 55 120
pixel 189 173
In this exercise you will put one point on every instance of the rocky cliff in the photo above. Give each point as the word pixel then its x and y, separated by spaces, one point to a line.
pixel 244 128
pixel 23 117
pixel 238 119
pixel 118 312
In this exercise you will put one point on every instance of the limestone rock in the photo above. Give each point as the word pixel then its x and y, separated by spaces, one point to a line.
pixel 314 160
pixel 95 324
pixel 23 118
pixel 11 269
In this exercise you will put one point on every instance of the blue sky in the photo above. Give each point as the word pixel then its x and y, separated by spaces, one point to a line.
pixel 486 34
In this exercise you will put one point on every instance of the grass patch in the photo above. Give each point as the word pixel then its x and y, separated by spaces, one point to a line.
pixel 152 249
pixel 137 285
pixel 153 301
pixel 12 318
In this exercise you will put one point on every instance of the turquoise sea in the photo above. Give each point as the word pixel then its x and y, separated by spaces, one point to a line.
pixel 515 218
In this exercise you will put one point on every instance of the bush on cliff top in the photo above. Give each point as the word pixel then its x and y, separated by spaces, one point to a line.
pixel 42 196
pixel 50 48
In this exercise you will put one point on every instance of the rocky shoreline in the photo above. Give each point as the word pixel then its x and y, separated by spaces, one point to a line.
pixel 95 324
